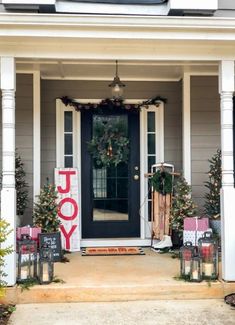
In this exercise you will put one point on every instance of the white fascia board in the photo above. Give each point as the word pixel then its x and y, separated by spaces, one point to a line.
pixel 114 9
pixel 193 5
pixel 29 2
pixel 118 27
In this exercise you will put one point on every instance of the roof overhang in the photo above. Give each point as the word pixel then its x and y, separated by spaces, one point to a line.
pixel 98 37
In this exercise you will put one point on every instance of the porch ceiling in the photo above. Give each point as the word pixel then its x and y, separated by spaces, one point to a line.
pixel 105 70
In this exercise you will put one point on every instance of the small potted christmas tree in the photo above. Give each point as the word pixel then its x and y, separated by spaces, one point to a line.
pixel 46 209
pixel 21 188
pixel 182 207
pixel 212 197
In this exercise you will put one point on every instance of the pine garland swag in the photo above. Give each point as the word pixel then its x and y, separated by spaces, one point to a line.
pixel 46 210
pixel 111 105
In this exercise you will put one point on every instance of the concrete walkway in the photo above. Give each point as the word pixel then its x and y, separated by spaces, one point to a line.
pixel 172 312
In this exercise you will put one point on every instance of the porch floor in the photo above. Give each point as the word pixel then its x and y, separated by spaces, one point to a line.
pixel 119 278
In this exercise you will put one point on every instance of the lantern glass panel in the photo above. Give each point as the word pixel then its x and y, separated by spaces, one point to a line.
pixel 46 266
pixel 27 259
pixel 186 253
pixel 196 270
pixel 46 276
pixel 208 251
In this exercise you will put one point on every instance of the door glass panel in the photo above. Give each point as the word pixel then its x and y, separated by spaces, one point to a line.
pixel 151 144
pixel 110 180
pixel 68 122
pixel 151 121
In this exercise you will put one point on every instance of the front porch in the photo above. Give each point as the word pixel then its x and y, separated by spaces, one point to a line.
pixel 172 61
pixel 119 278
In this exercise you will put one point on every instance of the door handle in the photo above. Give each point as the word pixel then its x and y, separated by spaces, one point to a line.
pixel 136 177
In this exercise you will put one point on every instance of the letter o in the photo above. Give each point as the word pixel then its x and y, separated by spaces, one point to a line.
pixel 75 206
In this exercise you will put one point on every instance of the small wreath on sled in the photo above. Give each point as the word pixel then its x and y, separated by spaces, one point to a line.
pixel 161 182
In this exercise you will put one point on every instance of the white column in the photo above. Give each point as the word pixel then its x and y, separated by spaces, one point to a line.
pixel 226 89
pixel 8 193
pixel 36 134
pixel 186 121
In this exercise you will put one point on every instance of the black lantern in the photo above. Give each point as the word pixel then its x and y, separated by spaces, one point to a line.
pixel 196 269
pixel 117 86
pixel 27 259
pixel 208 251
pixel 186 253
pixel 46 265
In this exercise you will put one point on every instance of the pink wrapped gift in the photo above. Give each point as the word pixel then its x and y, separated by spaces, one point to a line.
pixel 192 236
pixel 27 230
pixel 196 224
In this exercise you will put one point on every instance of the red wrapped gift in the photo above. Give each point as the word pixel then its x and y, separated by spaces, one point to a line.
pixel 196 224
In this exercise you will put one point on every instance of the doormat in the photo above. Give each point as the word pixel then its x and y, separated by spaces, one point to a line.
pixel 110 251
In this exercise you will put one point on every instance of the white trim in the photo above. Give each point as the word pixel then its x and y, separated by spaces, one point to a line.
pixel 29 2
pixel 186 117
pixel 143 187
pixel 77 159
pixel 60 109
pixel 159 122
pixel 183 26
pixel 159 152
pixel 198 5
pixel 127 79
pixel 115 242
pixel 59 132
pixel 36 133
pixel 226 89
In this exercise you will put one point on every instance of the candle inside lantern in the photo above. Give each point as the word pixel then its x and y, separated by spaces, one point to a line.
pixel 45 277
pixel 195 275
pixel 45 274
pixel 208 269
pixel 187 269
pixel 24 274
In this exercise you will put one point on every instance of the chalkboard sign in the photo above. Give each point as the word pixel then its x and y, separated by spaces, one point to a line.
pixel 53 240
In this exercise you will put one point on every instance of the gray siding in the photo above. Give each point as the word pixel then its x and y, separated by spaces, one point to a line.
pixel 24 132
pixel 205 110
pixel 84 89
pixel 226 8
pixel 205 122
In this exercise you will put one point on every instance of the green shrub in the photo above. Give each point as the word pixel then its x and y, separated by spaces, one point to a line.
pixel 4 232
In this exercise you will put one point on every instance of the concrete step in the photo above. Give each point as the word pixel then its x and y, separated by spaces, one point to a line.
pixel 156 291
pixel 119 278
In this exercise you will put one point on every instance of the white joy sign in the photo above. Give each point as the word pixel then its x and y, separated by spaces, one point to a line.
pixel 66 180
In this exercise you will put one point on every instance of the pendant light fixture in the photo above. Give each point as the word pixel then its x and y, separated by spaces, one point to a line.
pixel 117 86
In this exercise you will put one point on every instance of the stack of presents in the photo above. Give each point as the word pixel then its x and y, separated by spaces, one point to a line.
pixel 33 232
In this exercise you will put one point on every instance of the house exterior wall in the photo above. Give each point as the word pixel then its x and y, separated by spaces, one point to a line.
pixel 226 8
pixel 24 132
pixel 205 127
pixel 91 90
pixel 205 123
